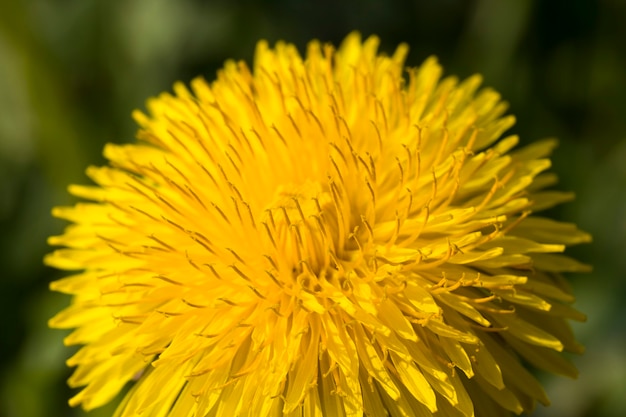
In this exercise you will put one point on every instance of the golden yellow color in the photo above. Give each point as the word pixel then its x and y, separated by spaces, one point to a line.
pixel 328 236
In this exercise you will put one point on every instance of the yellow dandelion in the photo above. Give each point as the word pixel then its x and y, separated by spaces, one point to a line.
pixel 333 235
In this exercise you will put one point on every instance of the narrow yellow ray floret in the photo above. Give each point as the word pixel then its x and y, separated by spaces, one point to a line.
pixel 333 235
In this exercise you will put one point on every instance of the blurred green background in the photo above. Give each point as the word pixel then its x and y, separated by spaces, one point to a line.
pixel 71 72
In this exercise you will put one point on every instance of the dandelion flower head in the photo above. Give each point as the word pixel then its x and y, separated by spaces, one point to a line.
pixel 327 235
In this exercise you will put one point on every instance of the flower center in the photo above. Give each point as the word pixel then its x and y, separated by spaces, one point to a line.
pixel 303 230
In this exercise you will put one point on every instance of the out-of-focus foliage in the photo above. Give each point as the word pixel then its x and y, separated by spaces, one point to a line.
pixel 72 71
